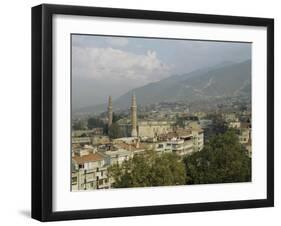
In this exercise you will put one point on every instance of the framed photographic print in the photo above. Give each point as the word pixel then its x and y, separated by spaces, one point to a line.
pixel 145 112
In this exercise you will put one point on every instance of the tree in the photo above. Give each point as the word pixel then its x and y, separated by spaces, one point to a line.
pixel 114 131
pixel 78 125
pixel 95 123
pixel 167 170
pixel 115 117
pixel 149 169
pixel 219 126
pixel 180 122
pixel 223 160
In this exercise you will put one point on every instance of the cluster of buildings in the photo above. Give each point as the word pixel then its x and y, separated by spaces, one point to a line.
pixel 243 127
pixel 93 152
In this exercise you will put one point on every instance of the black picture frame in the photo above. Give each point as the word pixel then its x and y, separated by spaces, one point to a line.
pixel 42 96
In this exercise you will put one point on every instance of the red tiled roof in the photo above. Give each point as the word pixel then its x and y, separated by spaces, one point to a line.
pixel 88 158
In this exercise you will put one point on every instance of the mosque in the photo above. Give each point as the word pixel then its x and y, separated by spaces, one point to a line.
pixel 133 128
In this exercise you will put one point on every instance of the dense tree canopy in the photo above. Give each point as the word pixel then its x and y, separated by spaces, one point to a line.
pixel 180 122
pixel 79 125
pixel 223 160
pixel 114 131
pixel 115 117
pixel 148 170
pixel 95 123
pixel 219 125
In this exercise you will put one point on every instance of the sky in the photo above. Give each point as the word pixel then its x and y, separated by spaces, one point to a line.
pixel 108 65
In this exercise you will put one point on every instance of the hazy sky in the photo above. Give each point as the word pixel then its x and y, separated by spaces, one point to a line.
pixel 106 65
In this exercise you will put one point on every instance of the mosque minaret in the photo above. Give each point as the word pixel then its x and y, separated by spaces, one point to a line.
pixel 134 116
pixel 109 111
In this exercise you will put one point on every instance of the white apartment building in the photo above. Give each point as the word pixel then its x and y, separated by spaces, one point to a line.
pixel 89 171
pixel 182 146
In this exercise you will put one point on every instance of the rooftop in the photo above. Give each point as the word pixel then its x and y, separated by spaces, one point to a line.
pixel 92 157
pixel 131 147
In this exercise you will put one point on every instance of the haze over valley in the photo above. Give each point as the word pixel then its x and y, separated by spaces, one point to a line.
pixel 155 70
pixel 220 81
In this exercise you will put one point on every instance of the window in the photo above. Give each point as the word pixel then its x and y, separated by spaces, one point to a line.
pixel 74 180
pixel 81 166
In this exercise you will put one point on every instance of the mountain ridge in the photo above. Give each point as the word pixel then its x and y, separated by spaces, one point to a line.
pixel 226 79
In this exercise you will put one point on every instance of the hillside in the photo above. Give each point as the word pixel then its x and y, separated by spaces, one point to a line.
pixel 219 81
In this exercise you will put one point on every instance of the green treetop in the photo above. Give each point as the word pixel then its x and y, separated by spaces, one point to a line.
pixel 223 160
pixel 147 170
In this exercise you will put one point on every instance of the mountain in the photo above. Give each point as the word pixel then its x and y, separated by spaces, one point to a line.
pixel 223 80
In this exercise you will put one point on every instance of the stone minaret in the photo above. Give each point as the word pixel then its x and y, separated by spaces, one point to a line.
pixel 134 116
pixel 109 111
